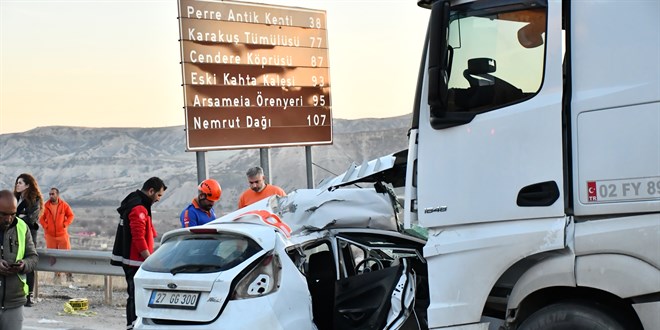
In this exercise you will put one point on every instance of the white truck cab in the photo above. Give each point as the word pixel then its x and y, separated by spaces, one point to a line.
pixel 534 163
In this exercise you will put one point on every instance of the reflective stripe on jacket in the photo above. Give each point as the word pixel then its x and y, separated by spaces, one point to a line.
pixel 21 230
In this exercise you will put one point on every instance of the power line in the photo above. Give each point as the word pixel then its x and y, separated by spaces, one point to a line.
pixel 325 169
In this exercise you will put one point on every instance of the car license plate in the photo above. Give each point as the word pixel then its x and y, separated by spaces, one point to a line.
pixel 174 299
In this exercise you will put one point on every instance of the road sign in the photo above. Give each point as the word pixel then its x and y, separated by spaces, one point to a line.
pixel 254 75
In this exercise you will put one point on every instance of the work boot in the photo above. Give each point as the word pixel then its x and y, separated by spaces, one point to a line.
pixel 30 298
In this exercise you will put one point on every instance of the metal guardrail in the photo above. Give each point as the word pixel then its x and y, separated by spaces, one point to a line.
pixel 79 262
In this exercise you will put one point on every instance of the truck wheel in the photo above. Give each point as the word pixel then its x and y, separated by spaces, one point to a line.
pixel 570 316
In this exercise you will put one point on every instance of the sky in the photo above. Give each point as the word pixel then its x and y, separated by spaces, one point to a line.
pixel 115 63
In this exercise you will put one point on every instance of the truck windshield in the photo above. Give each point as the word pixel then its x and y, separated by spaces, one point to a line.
pixel 497 58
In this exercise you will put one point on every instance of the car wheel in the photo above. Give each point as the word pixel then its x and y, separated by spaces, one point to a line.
pixel 571 316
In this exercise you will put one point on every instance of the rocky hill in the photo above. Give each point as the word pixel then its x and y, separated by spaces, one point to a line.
pixel 97 167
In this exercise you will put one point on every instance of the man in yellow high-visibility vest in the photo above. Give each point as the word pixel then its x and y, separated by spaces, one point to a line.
pixel 18 256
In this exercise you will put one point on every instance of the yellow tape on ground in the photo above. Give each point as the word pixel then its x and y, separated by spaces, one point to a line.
pixel 68 310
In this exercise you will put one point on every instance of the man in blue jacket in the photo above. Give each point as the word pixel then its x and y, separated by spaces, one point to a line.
pixel 200 211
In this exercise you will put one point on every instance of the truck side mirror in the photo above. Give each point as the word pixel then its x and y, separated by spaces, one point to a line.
pixel 531 35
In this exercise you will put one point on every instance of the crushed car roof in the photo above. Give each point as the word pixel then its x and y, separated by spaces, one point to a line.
pixel 317 209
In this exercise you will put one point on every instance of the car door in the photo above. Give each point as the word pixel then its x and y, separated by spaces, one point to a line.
pixel 377 284
pixel 363 301
pixel 362 278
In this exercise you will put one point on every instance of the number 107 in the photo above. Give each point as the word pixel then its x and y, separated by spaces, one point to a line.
pixel 315 120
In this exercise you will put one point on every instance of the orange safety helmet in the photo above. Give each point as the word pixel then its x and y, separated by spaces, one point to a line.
pixel 211 188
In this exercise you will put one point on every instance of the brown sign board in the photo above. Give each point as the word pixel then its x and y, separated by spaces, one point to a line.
pixel 228 74
pixel 262 97
pixel 254 75
pixel 256 13
pixel 253 55
pixel 253 34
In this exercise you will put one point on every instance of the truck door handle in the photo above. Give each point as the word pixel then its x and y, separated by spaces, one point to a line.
pixel 538 194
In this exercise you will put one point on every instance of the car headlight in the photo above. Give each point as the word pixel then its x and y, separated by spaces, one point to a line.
pixel 263 279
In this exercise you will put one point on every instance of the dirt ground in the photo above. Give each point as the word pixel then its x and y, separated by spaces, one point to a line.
pixel 49 310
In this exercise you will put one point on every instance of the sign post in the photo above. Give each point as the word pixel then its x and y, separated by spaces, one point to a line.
pixel 254 75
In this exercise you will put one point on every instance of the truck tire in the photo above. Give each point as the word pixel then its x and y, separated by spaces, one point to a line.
pixel 571 316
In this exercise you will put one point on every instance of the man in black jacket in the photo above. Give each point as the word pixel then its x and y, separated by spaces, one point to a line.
pixel 134 241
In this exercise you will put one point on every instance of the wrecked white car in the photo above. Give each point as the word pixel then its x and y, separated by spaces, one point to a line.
pixel 304 261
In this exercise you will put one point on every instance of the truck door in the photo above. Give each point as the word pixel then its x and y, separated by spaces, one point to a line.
pixel 490 128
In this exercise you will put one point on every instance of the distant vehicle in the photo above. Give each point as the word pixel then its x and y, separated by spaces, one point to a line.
pixel 85 234
pixel 304 261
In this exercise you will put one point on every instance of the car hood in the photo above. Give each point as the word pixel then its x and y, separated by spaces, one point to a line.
pixel 317 209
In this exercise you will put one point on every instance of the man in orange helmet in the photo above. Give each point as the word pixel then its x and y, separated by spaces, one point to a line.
pixel 200 211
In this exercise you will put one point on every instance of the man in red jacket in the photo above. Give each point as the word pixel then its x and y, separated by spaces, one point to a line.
pixel 55 219
pixel 134 241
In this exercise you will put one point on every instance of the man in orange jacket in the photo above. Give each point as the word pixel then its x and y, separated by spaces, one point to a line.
pixel 55 220
pixel 259 189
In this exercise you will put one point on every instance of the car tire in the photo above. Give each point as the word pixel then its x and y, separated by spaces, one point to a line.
pixel 571 316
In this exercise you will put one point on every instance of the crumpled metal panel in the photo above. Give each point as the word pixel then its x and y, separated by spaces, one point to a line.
pixel 315 209
pixel 384 166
